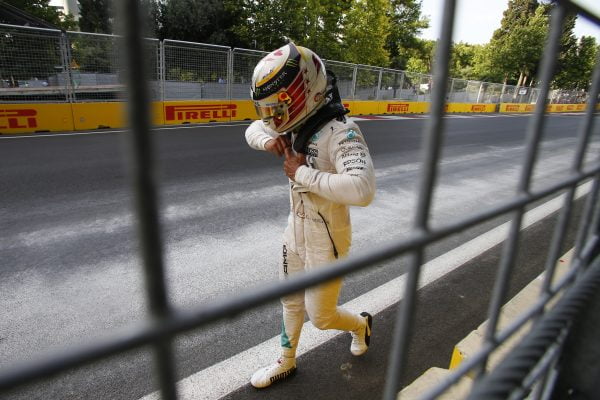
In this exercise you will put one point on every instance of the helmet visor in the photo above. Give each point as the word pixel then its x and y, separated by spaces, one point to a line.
pixel 273 107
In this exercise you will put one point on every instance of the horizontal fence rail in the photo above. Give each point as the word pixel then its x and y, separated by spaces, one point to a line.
pixel 181 67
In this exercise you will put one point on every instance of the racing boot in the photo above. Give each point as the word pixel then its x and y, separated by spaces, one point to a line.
pixel 362 337
pixel 265 376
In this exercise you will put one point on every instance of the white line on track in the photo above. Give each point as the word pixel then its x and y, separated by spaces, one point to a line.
pixel 243 123
pixel 228 375
pixel 95 132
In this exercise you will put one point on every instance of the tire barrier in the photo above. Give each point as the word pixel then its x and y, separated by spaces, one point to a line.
pixel 61 117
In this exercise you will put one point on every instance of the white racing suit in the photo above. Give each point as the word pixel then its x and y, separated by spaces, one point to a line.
pixel 339 173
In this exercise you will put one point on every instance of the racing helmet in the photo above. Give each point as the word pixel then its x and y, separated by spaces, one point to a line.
pixel 288 86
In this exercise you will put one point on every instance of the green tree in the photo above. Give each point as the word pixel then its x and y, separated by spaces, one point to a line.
pixel 418 65
pixel 406 23
pixel 516 47
pixel 42 9
pixel 209 21
pixel 325 20
pixel 577 65
pixel 483 67
pixel 568 59
pixel 95 16
pixel 316 24
pixel 265 25
pixel 463 60
pixel 422 56
pixel 153 15
pixel 365 33
pixel 518 13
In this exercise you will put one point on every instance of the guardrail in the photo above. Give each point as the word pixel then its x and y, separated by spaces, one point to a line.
pixel 165 322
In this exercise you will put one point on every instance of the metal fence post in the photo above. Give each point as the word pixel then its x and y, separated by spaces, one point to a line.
pixel 534 132
pixel 479 93
pixel 229 73
pixel 161 69
pixel 450 90
pixel 378 94
pixel 431 150
pixel 401 84
pixel 146 199
pixel 354 74
pixel 164 324
pixel 65 53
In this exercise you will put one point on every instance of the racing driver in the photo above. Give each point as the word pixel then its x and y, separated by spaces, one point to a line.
pixel 329 168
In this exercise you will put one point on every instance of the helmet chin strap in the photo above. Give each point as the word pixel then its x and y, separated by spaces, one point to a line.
pixel 332 108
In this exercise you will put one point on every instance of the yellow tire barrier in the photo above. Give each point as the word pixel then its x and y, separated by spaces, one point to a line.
pixel 470 108
pixel 28 118
pixel 551 108
pixel 25 118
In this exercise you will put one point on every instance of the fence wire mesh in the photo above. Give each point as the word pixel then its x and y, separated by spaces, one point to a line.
pixel 195 71
pixel 49 66
pixel 95 70
pixel 358 82
pixel 243 65
pixel 346 77
pixel 32 65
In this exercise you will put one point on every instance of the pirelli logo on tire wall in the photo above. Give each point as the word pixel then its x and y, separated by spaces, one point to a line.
pixel 402 107
pixel 191 112
pixel 194 112
pixel 517 107
pixel 397 107
pixel 63 117
pixel 552 108
pixel 31 118
pixel 470 108
pixel 19 118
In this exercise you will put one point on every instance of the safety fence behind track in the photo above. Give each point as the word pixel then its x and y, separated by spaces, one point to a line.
pixel 529 371
pixel 44 65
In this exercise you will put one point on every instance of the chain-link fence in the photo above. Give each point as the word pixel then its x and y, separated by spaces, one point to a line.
pixel 528 371
pixel 42 65
pixel 242 66
pixel 195 71
pixel 32 65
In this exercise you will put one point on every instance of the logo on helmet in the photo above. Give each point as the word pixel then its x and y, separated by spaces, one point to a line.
pixel 284 97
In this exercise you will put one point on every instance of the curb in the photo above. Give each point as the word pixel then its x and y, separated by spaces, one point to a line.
pixel 471 344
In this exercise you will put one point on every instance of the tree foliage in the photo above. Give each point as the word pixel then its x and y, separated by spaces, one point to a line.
pixel 462 60
pixel 353 31
pixel 42 9
pixel 95 16
pixel 209 21
pixel 406 23
pixel 422 56
pixel 376 32
pixel 366 31
pixel 517 14
pixel 266 25
pixel 516 47
pixel 577 65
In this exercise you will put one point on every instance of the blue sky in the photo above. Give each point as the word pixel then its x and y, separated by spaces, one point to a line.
pixel 476 20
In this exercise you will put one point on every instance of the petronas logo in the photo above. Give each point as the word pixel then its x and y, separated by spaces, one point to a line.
pixel 285 340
